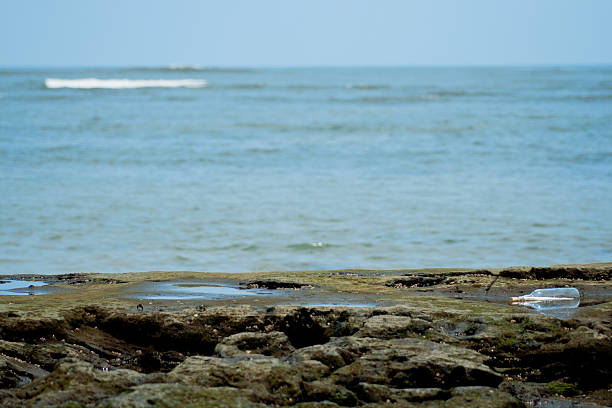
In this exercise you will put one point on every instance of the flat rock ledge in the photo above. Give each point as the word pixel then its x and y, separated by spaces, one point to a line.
pixel 242 356
pixel 428 338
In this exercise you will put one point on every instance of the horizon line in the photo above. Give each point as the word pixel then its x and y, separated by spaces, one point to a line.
pixel 228 66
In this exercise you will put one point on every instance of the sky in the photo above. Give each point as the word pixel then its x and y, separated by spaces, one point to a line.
pixel 304 32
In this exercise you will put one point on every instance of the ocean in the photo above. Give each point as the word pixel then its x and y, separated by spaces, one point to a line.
pixel 257 169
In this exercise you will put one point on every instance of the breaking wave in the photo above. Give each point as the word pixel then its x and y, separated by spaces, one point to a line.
pixel 95 83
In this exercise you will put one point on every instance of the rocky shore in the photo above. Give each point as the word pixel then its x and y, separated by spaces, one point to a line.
pixel 432 338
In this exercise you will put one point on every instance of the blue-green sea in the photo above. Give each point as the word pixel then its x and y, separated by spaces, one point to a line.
pixel 238 170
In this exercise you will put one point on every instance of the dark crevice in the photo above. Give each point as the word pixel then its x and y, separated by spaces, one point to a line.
pixel 302 330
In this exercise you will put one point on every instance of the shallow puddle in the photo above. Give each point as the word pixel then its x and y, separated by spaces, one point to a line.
pixel 13 287
pixel 188 290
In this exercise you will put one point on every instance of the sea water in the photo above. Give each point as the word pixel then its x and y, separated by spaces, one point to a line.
pixel 211 169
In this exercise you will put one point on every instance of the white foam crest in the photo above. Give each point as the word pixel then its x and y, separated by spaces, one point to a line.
pixel 95 83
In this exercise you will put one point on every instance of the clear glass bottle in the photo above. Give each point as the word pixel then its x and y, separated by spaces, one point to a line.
pixel 552 298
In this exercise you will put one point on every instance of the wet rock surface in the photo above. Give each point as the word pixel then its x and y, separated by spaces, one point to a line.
pixel 596 272
pixel 97 351
pixel 415 281
pixel 274 284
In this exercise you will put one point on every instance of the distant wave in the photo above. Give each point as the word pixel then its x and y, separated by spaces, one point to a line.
pixel 257 85
pixel 365 87
pixel 184 67
pixel 187 68
pixel 304 87
pixel 310 246
pixel 95 83
pixel 583 98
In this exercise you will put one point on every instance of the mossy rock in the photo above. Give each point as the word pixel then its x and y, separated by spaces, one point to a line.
pixel 562 388
pixel 179 395
pixel 72 404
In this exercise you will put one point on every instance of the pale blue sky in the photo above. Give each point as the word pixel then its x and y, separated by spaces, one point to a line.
pixel 297 33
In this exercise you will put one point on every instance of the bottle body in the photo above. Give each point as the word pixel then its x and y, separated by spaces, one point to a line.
pixel 556 293
pixel 552 298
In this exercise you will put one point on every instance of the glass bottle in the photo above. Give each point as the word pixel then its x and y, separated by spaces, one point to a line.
pixel 552 298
